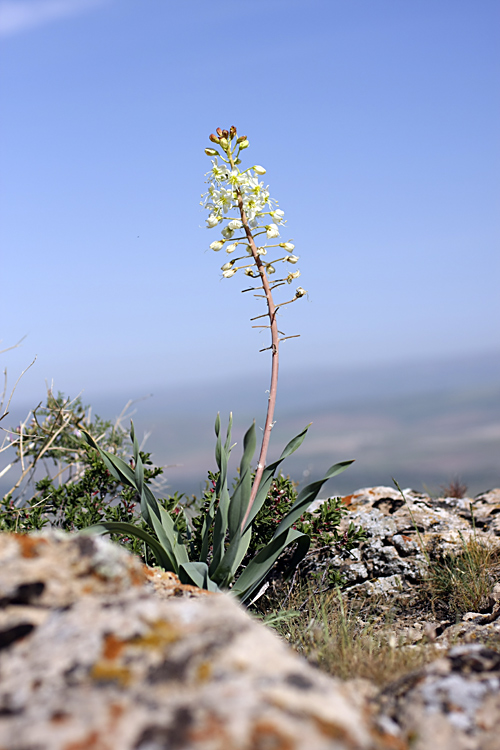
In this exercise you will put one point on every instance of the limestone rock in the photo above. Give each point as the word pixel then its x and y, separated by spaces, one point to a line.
pixel 399 530
pixel 451 704
pixel 97 652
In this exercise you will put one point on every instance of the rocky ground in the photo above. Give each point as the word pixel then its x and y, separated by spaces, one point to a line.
pixel 97 651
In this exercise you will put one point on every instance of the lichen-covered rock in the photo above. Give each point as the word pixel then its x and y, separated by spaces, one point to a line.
pixel 96 653
pixel 451 704
pixel 403 532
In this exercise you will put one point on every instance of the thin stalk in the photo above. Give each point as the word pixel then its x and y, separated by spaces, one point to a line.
pixel 271 312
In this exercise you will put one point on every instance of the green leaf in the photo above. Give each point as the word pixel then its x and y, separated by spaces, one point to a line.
pixel 122 527
pixel 196 574
pixel 139 467
pixel 307 496
pixel 225 571
pixel 241 495
pixel 269 472
pixel 116 466
pixel 222 496
pixel 257 569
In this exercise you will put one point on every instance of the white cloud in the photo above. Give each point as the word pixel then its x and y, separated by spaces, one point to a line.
pixel 19 15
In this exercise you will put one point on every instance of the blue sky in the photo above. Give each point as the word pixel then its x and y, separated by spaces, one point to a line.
pixel 377 122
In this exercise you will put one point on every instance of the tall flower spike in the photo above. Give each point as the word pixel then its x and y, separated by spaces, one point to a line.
pixel 240 201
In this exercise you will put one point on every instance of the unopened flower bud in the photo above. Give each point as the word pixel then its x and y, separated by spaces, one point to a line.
pixel 227 232
pixel 235 224
pixel 249 272
pixel 216 245
pixel 211 152
pixel 224 143
pixel 225 133
pixel 270 269
pixel 212 221
pixel 244 143
pixel 292 276
pixel 212 137
pixel 230 272
pixel 288 246
pixel 241 139
pixel 232 132
pixel 231 248
pixel 292 258
pixel 219 132
pixel 237 161
pixel 261 251
pixel 227 266
pixel 299 292
pixel 259 170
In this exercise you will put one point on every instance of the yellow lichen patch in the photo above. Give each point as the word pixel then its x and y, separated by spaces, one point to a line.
pixel 161 634
pixel 108 671
pixel 204 671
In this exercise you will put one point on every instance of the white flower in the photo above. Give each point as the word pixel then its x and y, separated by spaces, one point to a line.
pixel 259 170
pixel 217 172
pixel 299 292
pixel 235 224
pixel 272 231
pixel 261 251
pixel 227 232
pixel 278 216
pixel 231 248
pixel 216 245
pixel 230 272
pixel 227 266
pixel 287 246
pixel 223 199
pixel 213 220
pixel 292 258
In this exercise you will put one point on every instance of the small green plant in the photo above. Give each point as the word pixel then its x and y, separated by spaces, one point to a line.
pixel 212 559
pixel 210 554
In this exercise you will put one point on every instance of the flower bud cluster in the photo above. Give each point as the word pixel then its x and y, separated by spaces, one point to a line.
pixel 231 191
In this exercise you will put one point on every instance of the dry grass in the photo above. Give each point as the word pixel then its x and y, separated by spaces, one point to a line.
pixel 463 583
pixel 456 488
pixel 345 639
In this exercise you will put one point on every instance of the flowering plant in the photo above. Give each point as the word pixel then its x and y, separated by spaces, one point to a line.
pixel 249 218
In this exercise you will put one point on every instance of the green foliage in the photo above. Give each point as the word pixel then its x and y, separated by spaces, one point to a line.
pixel 212 550
pixel 81 491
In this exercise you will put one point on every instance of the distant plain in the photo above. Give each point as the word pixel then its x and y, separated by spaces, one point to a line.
pixel 424 423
